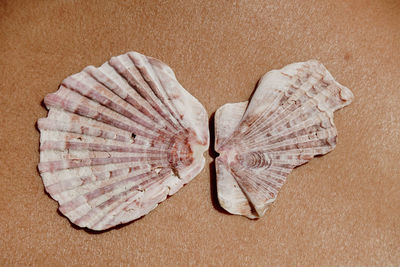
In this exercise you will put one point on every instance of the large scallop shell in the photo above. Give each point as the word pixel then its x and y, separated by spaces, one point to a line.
pixel 288 121
pixel 119 139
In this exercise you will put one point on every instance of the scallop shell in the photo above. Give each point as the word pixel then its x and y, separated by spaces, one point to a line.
pixel 288 121
pixel 119 139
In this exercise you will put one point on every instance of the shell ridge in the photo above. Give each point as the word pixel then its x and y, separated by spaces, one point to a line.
pixel 139 61
pixel 106 204
pixel 51 166
pixel 81 122
pixel 94 174
pixel 107 82
pixel 118 212
pixel 89 112
pixel 171 98
pixel 300 140
pixel 154 202
pixel 306 86
pixel 100 191
pixel 308 127
pixel 74 181
pixel 154 83
pixel 94 186
pixel 255 126
pixel 290 129
pixel 181 104
pixel 135 80
pixel 54 125
pixel 249 185
pixel 91 146
pixel 295 102
pixel 84 89
pixel 137 100
pixel 274 119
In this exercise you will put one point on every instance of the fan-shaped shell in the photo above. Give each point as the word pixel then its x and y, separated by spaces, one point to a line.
pixel 119 139
pixel 288 121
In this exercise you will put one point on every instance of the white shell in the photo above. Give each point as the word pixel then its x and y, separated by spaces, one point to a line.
pixel 119 139
pixel 288 121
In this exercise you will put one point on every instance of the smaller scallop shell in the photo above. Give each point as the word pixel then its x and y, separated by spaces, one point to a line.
pixel 288 121
pixel 119 139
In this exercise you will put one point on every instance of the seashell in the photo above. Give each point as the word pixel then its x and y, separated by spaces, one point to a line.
pixel 288 121
pixel 119 139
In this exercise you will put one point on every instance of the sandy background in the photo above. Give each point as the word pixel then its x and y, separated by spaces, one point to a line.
pixel 339 209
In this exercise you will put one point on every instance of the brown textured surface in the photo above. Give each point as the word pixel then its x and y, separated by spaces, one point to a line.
pixel 342 208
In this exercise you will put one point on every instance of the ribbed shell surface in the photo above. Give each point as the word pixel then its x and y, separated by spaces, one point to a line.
pixel 119 139
pixel 288 121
